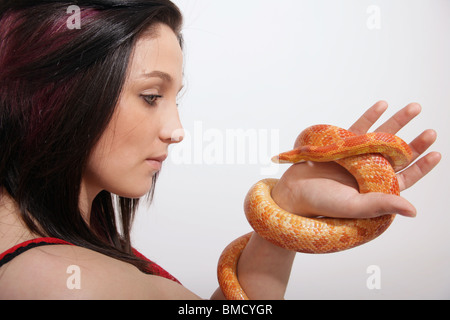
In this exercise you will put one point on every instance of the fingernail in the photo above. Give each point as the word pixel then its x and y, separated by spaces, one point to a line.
pixel 409 214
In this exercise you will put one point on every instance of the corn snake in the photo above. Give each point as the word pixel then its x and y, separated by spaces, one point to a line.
pixel 373 159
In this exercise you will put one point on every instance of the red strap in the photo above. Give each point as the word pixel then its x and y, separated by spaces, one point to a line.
pixel 34 241
pixel 153 268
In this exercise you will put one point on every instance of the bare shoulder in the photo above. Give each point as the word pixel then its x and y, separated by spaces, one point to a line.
pixel 67 272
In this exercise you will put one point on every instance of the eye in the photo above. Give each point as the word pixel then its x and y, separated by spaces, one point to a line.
pixel 151 99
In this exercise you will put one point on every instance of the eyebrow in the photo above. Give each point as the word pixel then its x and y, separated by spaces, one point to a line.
pixel 162 75
pixel 158 74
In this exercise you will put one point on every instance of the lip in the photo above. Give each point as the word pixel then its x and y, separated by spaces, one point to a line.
pixel 158 159
pixel 156 163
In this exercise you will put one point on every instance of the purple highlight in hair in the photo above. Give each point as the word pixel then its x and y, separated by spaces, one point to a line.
pixel 18 58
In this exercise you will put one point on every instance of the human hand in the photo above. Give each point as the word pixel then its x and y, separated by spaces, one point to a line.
pixel 327 189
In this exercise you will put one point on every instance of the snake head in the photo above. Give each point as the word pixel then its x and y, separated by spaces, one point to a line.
pixel 294 156
pixel 277 159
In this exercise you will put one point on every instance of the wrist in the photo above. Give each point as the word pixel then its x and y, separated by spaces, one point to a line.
pixel 282 195
pixel 264 269
pixel 286 196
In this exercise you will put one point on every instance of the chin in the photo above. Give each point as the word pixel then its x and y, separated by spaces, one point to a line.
pixel 133 195
pixel 136 191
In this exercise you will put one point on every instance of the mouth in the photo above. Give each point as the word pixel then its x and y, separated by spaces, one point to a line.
pixel 157 162
pixel 158 159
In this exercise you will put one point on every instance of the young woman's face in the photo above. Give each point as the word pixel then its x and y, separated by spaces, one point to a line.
pixel 146 121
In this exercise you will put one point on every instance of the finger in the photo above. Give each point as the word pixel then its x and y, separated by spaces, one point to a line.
pixel 418 170
pixel 372 205
pixel 422 143
pixel 400 119
pixel 368 119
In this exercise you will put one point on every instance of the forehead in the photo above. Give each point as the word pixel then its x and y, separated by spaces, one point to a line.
pixel 159 52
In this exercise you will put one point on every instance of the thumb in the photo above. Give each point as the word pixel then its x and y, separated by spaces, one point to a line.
pixel 373 205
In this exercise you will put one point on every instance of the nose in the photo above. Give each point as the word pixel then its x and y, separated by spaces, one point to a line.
pixel 172 130
pixel 178 135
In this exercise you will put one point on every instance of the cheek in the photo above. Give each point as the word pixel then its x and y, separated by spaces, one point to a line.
pixel 119 174
pixel 125 138
pixel 117 163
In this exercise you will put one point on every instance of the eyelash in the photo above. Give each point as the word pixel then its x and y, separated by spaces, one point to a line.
pixel 151 99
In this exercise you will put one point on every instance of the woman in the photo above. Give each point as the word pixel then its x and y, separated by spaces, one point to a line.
pixel 86 118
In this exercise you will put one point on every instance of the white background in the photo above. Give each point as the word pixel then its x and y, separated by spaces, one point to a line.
pixel 281 66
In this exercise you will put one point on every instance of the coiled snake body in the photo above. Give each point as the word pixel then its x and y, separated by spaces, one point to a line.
pixel 372 159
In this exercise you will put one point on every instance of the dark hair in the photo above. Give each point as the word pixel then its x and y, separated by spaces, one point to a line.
pixel 58 90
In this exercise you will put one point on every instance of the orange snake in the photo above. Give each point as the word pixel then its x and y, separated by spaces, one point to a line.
pixel 373 159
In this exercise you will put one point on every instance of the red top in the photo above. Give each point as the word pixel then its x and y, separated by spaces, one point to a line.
pixel 10 254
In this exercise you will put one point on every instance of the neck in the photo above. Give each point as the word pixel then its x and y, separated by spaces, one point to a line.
pixel 87 196
pixel 12 228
